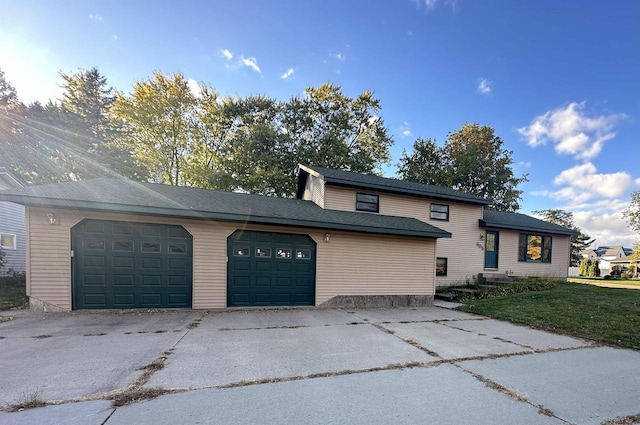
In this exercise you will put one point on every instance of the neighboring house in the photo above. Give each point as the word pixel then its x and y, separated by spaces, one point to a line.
pixel 623 264
pixel 12 234
pixel 350 239
pixel 605 255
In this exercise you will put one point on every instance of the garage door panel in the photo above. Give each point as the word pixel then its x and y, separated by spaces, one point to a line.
pixel 93 261
pixel 123 262
pixel 151 263
pixel 124 280
pixel 263 269
pixel 95 300
pixel 151 280
pixel 263 281
pixel 131 265
pixel 177 264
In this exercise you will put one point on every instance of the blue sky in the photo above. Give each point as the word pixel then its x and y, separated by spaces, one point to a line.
pixel 558 80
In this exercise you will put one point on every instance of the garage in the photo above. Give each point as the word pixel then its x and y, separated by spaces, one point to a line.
pixel 131 265
pixel 270 269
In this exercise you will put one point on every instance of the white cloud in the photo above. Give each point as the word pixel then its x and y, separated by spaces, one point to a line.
pixel 227 54
pixel 572 131
pixel 431 4
pixel 484 86
pixel 194 87
pixel 584 177
pixel 340 56
pixel 606 225
pixel 115 38
pixel 95 17
pixel 405 129
pixel 526 164
pixel 251 63
pixel 288 73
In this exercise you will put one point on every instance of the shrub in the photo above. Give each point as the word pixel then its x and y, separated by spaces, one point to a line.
pixel 625 275
pixel 608 277
pixel 583 267
pixel 519 287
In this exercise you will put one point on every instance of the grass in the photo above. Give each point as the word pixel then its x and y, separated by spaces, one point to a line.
pixel 606 315
pixel 13 293
pixel 598 280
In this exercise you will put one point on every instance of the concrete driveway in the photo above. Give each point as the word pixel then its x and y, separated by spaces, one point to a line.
pixel 315 366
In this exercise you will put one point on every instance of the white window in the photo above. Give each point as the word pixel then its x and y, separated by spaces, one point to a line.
pixel 7 241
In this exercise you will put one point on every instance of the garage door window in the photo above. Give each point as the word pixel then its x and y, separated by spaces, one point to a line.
pixel 283 253
pixel 177 248
pixel 125 246
pixel 263 252
pixel 240 251
pixel 94 244
pixel 150 246
pixel 303 254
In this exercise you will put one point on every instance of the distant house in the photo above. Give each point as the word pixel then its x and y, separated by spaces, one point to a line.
pixel 12 241
pixel 348 239
pixel 606 254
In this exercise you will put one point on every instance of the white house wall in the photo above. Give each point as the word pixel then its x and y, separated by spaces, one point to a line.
pixel 12 222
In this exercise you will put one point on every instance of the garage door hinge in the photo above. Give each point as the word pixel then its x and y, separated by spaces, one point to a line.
pixel 72 253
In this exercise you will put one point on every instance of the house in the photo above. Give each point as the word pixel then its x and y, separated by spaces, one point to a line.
pixel 12 241
pixel 348 239
pixel 605 255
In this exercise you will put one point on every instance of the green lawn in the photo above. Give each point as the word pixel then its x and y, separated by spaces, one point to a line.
pixel 606 315
pixel 12 295
pixel 599 280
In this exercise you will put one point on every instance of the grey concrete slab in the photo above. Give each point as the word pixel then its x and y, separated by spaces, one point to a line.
pixel 415 314
pixel 206 357
pixel 438 395
pixel 82 323
pixel 522 335
pixel 451 343
pixel 85 413
pixel 584 386
pixel 446 304
pixel 254 319
pixel 65 367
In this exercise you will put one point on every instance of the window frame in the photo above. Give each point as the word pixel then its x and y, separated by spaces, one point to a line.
pixel 8 247
pixel 546 248
pixel 432 211
pixel 359 203
pixel 446 266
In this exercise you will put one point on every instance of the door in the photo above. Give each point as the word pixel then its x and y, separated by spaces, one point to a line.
pixel 491 250
pixel 131 265
pixel 270 269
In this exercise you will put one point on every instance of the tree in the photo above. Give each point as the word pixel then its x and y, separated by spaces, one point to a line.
pixel 158 120
pixel 632 212
pixel 253 144
pixel 472 160
pixel 635 259
pixel 8 94
pixel 565 219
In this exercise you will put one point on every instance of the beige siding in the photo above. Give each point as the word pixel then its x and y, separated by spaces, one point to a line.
pixel 349 264
pixel 314 190
pixel 508 257
pixel 353 264
pixel 464 250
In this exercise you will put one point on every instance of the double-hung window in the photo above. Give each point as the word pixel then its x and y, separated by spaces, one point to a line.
pixel 439 212
pixel 366 202
pixel 534 248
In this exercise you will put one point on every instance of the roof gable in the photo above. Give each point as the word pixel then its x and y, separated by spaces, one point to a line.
pixel 119 195
pixel 384 184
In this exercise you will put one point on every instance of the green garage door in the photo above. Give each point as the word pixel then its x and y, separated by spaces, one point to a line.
pixel 270 269
pixel 131 265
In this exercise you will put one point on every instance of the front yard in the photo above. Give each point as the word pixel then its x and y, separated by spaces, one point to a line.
pixel 607 315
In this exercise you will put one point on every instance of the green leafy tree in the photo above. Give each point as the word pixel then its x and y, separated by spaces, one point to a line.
pixel 8 94
pixel 632 212
pixel 565 219
pixel 158 122
pixel 635 260
pixel 472 160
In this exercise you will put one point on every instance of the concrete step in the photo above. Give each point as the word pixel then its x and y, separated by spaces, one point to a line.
pixel 447 296
pixel 463 290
